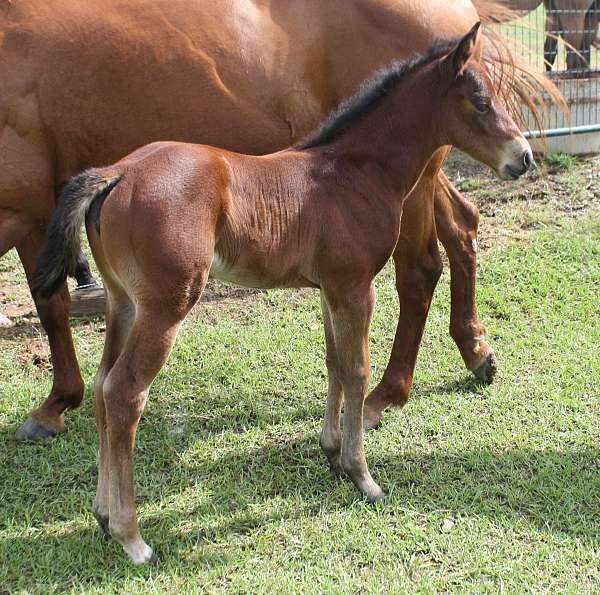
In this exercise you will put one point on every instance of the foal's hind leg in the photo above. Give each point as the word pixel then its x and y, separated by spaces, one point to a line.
pixel 119 318
pixel 125 390
pixel 331 436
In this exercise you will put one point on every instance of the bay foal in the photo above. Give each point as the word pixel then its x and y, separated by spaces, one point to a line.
pixel 324 214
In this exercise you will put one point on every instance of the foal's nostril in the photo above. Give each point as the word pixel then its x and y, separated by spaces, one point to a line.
pixel 528 159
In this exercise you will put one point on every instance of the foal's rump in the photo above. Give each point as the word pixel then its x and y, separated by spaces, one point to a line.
pixel 141 214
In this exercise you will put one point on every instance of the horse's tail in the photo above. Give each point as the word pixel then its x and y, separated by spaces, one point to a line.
pixel 61 249
pixel 517 82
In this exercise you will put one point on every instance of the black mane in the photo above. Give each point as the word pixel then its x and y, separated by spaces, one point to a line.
pixel 369 95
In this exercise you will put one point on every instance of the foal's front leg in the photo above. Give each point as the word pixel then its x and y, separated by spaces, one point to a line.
pixel 350 314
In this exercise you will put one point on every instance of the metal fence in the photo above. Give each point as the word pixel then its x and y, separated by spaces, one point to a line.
pixel 561 37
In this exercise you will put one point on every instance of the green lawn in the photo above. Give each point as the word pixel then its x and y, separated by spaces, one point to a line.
pixel 489 488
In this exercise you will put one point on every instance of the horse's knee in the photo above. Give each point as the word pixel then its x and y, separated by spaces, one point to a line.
pixel 470 215
pixel 354 378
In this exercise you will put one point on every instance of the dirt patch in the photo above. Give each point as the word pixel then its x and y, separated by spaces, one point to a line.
pixel 559 188
pixel 36 354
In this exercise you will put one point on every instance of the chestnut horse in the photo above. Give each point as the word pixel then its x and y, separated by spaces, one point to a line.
pixel 85 83
pixel 576 21
pixel 325 214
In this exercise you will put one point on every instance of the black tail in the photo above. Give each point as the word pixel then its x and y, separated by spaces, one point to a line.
pixel 59 254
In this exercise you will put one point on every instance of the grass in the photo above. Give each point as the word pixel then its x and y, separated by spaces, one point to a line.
pixel 559 162
pixel 489 488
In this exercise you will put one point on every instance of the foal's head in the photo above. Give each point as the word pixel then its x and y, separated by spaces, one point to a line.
pixel 474 119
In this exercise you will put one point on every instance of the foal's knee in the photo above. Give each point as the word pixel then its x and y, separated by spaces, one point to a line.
pixel 123 400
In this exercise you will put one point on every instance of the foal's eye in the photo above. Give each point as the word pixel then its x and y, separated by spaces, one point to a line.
pixel 482 107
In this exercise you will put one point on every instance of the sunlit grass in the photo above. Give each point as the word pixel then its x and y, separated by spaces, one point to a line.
pixel 489 488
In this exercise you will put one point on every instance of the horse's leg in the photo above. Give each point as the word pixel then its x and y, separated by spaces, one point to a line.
pixel 120 313
pixel 12 229
pixel 350 314
pixel 67 387
pixel 572 27
pixel 592 18
pixel 83 275
pixel 418 268
pixel 552 33
pixel 125 390
pixel 457 220
pixel 331 436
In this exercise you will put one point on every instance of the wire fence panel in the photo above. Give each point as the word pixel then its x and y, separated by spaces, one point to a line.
pixel 561 38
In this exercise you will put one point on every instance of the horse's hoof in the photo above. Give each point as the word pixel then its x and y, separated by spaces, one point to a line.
pixel 88 299
pixel 374 494
pixel 33 430
pixel 486 371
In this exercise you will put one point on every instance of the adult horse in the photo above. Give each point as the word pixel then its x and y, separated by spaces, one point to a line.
pixel 576 21
pixel 86 82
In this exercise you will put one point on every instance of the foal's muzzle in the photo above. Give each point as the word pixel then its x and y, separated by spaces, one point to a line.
pixel 524 164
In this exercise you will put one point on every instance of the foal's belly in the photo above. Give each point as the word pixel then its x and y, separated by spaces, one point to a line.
pixel 259 278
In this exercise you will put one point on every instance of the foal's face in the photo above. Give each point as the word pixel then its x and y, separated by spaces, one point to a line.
pixel 474 119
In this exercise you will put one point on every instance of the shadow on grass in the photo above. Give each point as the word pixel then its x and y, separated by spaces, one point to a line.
pixel 467 384
pixel 555 491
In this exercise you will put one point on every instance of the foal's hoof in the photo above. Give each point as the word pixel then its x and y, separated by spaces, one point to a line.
pixel 33 430
pixel 374 494
pixel 141 553
pixel 486 371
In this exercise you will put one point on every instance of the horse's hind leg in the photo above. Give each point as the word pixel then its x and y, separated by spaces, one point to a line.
pixel 552 33
pixel 331 436
pixel 125 390
pixel 67 388
pixel 120 313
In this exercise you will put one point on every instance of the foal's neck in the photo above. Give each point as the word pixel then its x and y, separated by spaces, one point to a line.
pixel 401 133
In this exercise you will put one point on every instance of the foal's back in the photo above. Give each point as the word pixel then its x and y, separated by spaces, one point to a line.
pixel 183 209
pixel 288 219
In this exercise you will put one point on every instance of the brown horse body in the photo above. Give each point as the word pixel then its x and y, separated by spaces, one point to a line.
pixel 84 83
pixel 324 214
pixel 576 21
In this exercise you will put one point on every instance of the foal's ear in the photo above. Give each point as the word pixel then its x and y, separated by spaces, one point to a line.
pixel 463 52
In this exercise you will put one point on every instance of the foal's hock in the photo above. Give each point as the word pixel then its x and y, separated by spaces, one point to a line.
pixel 324 214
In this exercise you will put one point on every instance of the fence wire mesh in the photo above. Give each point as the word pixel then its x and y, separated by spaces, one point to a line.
pixel 561 38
